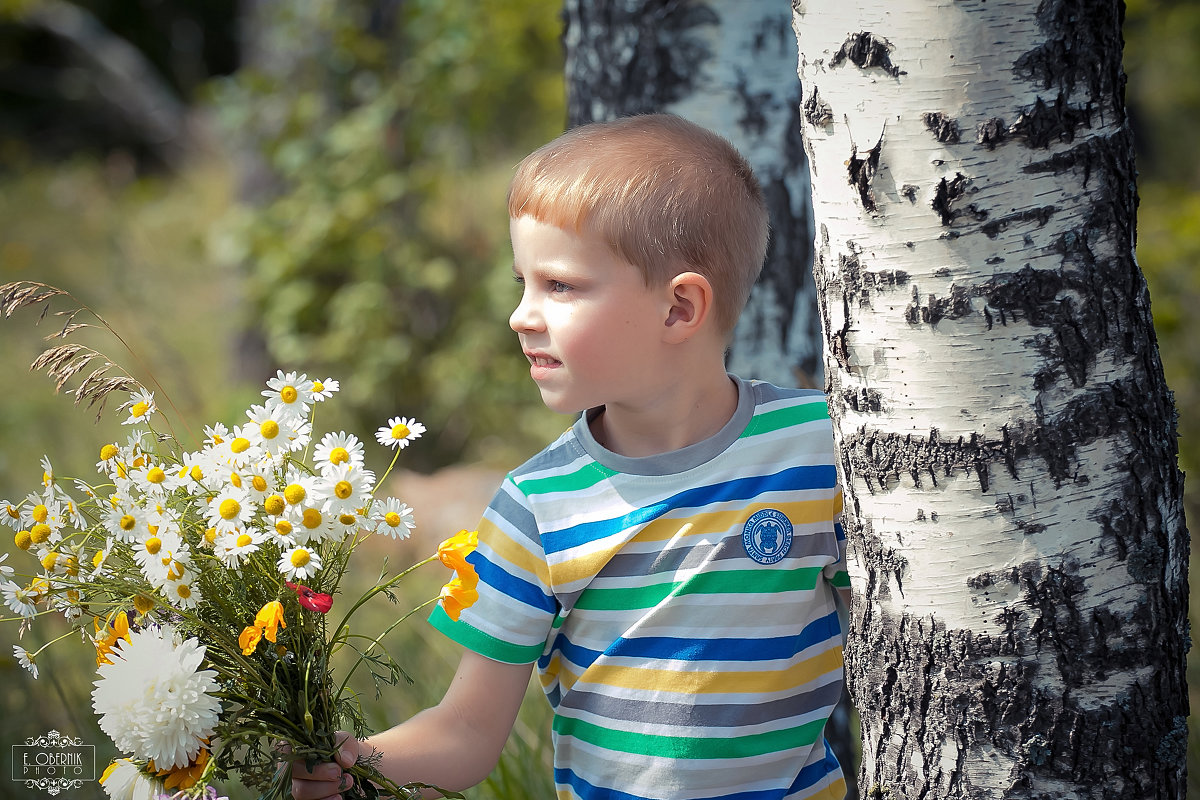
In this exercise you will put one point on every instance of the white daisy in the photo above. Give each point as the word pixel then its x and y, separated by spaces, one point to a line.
pixel 297 487
pixel 309 524
pixel 122 780
pixel 291 393
pixel 6 572
pixel 274 431
pixel 153 701
pixel 399 432
pixel 345 523
pixel 10 515
pixel 338 448
pixel 344 488
pixel 230 509
pixel 47 472
pixel 299 563
pixel 233 548
pixel 140 406
pixel 323 390
pixel 25 659
pixel 150 551
pixel 125 522
pixel 238 449
pixel 154 480
pixel 182 593
pixel 393 518
pixel 19 600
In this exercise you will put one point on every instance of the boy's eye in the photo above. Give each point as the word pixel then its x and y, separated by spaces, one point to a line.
pixel 559 286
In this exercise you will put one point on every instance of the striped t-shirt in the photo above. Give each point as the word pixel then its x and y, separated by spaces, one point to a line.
pixel 680 607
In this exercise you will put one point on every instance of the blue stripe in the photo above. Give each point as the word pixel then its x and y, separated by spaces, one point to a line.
pixel 815 773
pixel 744 650
pixel 587 791
pixel 821 476
pixel 510 585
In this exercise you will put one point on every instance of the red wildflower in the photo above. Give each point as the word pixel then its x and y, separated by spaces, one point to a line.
pixel 313 601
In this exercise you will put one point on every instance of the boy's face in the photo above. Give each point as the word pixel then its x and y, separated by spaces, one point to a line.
pixel 587 322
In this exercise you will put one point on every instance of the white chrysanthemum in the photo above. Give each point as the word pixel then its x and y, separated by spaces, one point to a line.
pixel 344 489
pixel 399 432
pixel 393 518
pixel 154 701
pixel 140 406
pixel 299 563
pixel 338 448
pixel 25 659
pixel 323 390
pixel 122 780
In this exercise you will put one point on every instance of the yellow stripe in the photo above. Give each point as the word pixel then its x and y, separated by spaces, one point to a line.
pixel 512 552
pixel 709 682
pixel 800 512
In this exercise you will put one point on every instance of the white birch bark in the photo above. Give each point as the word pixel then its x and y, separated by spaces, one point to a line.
pixel 1013 501
pixel 728 65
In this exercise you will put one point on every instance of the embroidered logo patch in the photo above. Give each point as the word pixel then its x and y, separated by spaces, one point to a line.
pixel 767 536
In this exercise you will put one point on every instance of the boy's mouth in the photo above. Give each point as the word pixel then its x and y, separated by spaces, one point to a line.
pixel 542 360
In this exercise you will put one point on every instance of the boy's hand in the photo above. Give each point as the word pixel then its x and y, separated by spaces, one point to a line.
pixel 328 780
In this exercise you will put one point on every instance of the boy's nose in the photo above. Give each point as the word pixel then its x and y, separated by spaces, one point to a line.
pixel 523 317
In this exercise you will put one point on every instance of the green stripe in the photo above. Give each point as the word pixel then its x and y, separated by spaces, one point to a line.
pixel 482 643
pixel 582 478
pixel 741 581
pixel 841 580
pixel 650 744
pixel 785 417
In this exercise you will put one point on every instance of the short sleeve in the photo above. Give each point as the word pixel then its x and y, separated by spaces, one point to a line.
pixel 836 572
pixel 512 619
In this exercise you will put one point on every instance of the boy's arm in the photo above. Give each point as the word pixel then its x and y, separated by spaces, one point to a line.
pixel 454 745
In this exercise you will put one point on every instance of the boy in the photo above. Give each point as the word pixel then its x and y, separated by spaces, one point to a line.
pixel 668 563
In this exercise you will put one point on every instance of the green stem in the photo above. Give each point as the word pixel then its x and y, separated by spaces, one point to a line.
pixel 375 643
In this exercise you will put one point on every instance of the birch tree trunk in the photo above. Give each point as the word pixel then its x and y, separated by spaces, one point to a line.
pixel 728 65
pixel 1009 454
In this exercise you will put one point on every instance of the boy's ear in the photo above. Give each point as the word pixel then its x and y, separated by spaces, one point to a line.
pixel 691 301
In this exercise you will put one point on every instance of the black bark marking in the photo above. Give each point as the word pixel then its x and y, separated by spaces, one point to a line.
pixel 946 193
pixel 944 128
pixel 862 170
pixel 909 191
pixel 991 133
pixel 1039 215
pixel 817 111
pixel 1044 124
pixel 866 50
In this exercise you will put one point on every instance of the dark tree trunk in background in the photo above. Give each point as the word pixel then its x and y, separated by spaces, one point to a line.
pixel 1014 506
pixel 728 65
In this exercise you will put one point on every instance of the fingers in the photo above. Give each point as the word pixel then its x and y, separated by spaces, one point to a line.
pixel 324 782
pixel 349 748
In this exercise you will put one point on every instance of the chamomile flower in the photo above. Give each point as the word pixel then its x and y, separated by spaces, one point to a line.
pixel 238 449
pixel 344 488
pixel 25 659
pixel 274 431
pixel 297 488
pixel 122 780
pixel 393 518
pixel 215 434
pixel 154 479
pixel 309 524
pixel 323 390
pixel 230 509
pixel 10 515
pixel 124 521
pixel 399 432
pixel 291 393
pixel 140 406
pixel 299 563
pixel 21 600
pixel 154 700
pixel 150 551
pixel 6 572
pixel 47 472
pixel 234 547
pixel 338 448
pixel 181 592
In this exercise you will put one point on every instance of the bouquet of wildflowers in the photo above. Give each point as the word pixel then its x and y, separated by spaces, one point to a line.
pixel 208 582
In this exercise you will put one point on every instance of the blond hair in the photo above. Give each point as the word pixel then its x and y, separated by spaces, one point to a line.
pixel 667 195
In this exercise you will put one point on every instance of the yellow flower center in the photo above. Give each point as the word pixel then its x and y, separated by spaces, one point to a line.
pixel 108 451
pixel 392 519
pixel 49 560
pixel 40 513
pixel 288 394
pixel 197 473
pixel 72 566
pixel 183 590
pixel 400 431
pixel 229 508
pixel 347 519
pixel 343 489
pixel 139 409
pixel 23 540
pixel 73 596
pixel 127 522
pixel 312 518
pixel 283 527
pixel 273 505
pixel 295 494
pixel 244 540
pixel 156 475
pixel 269 429
pixel 240 445
pixel 259 483
pixel 98 559
pixel 139 462
pixel 175 572
pixel 153 545
pixel 153 528
pixel 236 480
pixel 143 604
pixel 339 455
pixel 318 386
pixel 39 533
pixel 12 511
pixel 210 535
pixel 300 558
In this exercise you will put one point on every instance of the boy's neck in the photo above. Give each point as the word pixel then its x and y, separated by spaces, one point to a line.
pixel 677 415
